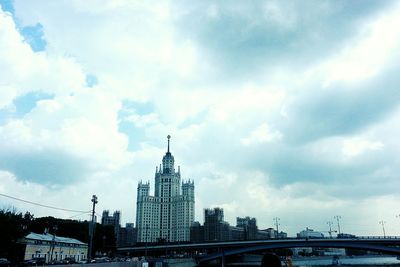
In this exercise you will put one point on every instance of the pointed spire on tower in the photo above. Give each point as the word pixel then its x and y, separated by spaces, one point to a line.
pixel 169 137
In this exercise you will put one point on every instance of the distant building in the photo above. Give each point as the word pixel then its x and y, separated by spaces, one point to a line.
pixel 249 226
pixel 107 219
pixel 127 236
pixel 282 235
pixel 344 235
pixel 263 234
pixel 270 233
pixel 215 228
pixel 112 220
pixel 196 232
pixel 168 215
pixel 310 233
pixel 237 233
pixel 50 247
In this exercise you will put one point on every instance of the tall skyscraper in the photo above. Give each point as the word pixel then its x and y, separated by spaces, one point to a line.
pixel 168 215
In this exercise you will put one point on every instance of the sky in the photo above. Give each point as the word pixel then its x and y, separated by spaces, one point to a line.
pixel 276 109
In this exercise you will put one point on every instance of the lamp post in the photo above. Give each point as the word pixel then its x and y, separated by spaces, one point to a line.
pixel 330 228
pixel 53 243
pixel 94 200
pixel 383 228
pixel 338 217
pixel 276 219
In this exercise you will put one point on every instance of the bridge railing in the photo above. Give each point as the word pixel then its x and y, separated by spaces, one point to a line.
pixel 378 237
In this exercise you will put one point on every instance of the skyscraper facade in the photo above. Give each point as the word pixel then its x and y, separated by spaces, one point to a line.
pixel 168 215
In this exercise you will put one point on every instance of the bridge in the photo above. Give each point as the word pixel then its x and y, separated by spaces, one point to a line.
pixel 220 250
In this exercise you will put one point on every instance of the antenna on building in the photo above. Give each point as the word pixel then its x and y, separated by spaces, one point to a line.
pixel 169 137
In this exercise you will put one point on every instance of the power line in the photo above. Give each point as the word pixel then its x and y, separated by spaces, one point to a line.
pixel 41 205
pixel 82 213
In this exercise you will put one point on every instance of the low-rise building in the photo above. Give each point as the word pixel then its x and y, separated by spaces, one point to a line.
pixel 270 233
pixel 50 247
pixel 310 233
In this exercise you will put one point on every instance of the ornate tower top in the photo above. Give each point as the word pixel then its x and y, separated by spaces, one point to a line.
pixel 168 160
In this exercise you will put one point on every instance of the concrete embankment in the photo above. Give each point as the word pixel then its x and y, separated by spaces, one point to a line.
pixel 171 262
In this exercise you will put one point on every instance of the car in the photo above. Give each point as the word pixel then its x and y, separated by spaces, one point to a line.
pixel 4 262
pixel 34 262
pixel 70 260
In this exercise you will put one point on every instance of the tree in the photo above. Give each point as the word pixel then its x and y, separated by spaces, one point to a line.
pixel 13 227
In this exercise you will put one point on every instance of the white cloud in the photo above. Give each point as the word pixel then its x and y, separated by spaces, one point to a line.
pixel 261 134
pixel 358 145
pixel 221 125
pixel 369 53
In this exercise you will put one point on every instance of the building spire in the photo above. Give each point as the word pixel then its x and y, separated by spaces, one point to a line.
pixel 169 137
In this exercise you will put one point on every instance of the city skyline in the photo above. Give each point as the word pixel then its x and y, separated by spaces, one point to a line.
pixel 277 110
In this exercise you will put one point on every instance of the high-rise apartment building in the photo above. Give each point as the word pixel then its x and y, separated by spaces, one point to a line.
pixel 168 215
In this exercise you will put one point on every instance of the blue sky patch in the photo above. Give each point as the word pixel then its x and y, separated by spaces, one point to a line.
pixel 135 134
pixel 91 80
pixel 139 108
pixel 7 6
pixel 33 35
pixel 24 104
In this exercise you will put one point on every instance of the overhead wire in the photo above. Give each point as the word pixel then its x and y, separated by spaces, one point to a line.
pixel 42 205
pixel 82 213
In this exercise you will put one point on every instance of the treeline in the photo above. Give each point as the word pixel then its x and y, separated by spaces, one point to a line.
pixel 15 225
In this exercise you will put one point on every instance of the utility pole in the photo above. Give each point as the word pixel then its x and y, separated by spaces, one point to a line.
pixel 94 200
pixel 337 217
pixel 276 220
pixel 55 228
pixel 330 228
pixel 383 228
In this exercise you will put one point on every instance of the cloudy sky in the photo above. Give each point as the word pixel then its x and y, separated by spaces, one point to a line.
pixel 276 109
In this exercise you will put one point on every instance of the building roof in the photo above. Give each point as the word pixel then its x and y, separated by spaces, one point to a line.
pixel 49 237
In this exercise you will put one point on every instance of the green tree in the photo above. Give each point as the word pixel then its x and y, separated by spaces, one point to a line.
pixel 13 227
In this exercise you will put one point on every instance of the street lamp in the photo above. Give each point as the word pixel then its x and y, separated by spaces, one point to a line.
pixel 383 228
pixel 53 243
pixel 330 228
pixel 276 219
pixel 94 200
pixel 338 217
